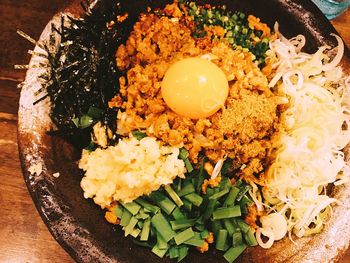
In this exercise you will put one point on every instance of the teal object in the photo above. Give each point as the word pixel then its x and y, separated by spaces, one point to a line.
pixel 332 8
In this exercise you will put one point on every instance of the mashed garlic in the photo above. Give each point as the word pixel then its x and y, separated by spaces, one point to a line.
pixel 128 170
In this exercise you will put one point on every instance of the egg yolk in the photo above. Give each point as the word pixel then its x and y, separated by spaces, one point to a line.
pixel 194 88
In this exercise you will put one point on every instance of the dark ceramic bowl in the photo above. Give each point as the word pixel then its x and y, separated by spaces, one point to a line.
pixel 79 225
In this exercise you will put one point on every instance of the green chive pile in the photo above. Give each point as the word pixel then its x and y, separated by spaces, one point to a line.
pixel 179 216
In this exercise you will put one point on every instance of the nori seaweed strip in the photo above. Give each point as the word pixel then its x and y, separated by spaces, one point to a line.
pixel 83 70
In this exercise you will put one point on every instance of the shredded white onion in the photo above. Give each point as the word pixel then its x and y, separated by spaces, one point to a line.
pixel 267 233
pixel 217 168
pixel 308 152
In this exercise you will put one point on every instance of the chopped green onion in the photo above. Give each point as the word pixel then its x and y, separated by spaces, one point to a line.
pixel 250 238
pixel 233 253
pixel 237 239
pixel 139 135
pixel 177 214
pixel 187 205
pixel 163 202
pixel 219 194
pixel 161 243
pixel 229 226
pixel 242 225
pixel 95 113
pixel 182 223
pixel 201 176
pixel 183 236
pixel 135 233
pixel 221 240
pixel 183 155
pixel 158 251
pixel 173 252
pixel 162 226
pixel 124 221
pixel 132 207
pixel 195 241
pixel 173 195
pixel 188 188
pixel 183 251
pixel 147 206
pixel 204 234
pixel 194 198
pixel 145 230
pixel 85 121
pixel 231 197
pixel 227 212
pixel 216 226
pixel 209 209
pixel 118 211
pixel 130 227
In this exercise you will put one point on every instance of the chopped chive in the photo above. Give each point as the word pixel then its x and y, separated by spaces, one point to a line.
pixel 135 233
pixel 173 195
pixel 221 239
pixel 162 226
pixel 250 238
pixel 242 225
pixel 188 188
pixel 147 206
pixel 163 202
pixel 237 239
pixel 201 176
pixel 209 209
pixel 140 223
pixel 145 230
pixel 158 251
pixel 233 253
pixel 195 241
pixel 219 194
pixel 177 214
pixel 161 243
pixel 95 113
pixel 124 221
pixel 173 252
pixel 216 226
pixel 118 211
pixel 231 197
pixel 142 214
pixel 225 183
pixel 199 227
pixel 230 227
pixel 183 155
pixel 85 121
pixel 188 165
pixel 204 234
pixel 227 212
pixel 183 236
pixel 183 251
pixel 139 135
pixel 194 198
pixel 132 207
pixel 187 205
pixel 182 223
pixel 130 227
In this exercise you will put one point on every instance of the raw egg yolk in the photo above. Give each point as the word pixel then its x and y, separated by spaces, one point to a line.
pixel 194 88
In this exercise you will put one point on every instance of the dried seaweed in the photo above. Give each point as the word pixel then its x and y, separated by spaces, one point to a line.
pixel 82 71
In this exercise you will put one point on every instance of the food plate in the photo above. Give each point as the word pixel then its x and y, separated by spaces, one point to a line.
pixel 79 225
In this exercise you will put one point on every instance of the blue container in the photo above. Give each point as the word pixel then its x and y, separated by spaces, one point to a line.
pixel 332 8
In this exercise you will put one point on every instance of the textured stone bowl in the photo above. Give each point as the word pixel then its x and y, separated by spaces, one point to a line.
pixel 79 225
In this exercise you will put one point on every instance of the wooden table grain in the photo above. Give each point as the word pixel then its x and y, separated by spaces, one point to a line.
pixel 23 235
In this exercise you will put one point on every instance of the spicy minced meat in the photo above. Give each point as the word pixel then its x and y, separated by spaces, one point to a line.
pixel 241 131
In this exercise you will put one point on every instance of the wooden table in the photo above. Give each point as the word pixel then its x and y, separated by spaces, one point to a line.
pixel 23 235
